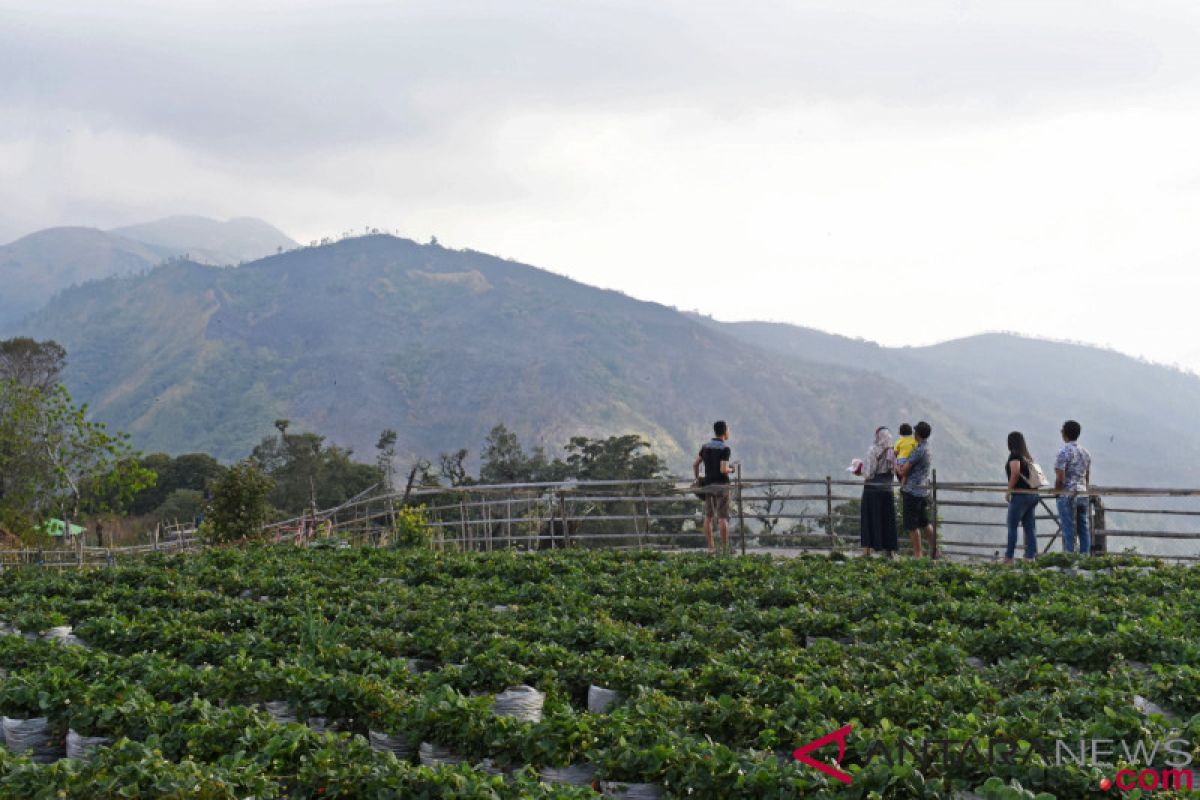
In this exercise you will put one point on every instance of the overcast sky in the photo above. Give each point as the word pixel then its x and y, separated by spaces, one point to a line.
pixel 904 172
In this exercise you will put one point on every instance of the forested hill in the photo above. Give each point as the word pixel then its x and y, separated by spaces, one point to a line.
pixel 377 332
pixel 36 267
pixel 1140 420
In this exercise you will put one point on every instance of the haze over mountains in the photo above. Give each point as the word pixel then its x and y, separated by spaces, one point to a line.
pixel 35 267
pixel 375 332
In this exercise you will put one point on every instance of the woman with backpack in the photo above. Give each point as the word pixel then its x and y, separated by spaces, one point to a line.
pixel 1024 478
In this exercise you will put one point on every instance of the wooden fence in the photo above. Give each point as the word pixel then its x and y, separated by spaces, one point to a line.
pixel 777 515
pixel 167 539
pixel 769 515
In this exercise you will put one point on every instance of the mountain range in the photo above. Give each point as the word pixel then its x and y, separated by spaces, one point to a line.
pixel 380 332
pixel 1138 418
pixel 36 267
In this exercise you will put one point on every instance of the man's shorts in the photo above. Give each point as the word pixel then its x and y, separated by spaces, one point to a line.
pixel 716 502
pixel 916 511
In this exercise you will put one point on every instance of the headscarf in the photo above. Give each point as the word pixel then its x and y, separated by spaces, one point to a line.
pixel 881 457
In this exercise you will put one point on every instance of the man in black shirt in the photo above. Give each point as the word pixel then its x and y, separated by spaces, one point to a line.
pixel 714 455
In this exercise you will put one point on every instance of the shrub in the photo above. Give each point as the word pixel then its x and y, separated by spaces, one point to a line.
pixel 238 509
pixel 411 528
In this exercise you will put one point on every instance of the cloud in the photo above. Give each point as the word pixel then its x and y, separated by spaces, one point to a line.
pixel 906 172
pixel 255 80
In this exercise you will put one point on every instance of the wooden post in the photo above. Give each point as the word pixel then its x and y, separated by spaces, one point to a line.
pixel 156 527
pixel 640 541
pixel 508 515
pixel 562 509
pixel 646 505
pixel 741 509
pixel 462 523
pixel 1099 539
pixel 829 513
pixel 487 515
pixel 933 548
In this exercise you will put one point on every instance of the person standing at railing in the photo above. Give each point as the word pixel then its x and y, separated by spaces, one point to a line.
pixel 914 493
pixel 877 519
pixel 1072 474
pixel 714 456
pixel 1022 496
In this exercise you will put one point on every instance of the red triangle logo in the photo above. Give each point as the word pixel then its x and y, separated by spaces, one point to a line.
pixel 801 754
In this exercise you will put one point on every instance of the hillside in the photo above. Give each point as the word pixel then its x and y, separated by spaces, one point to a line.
pixel 36 267
pixel 209 241
pixel 441 345
pixel 1139 419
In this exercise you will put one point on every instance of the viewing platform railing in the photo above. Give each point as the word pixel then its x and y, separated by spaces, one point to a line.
pixel 768 515
pixel 783 516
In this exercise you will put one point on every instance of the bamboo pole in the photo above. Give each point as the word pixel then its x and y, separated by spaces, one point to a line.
pixel 829 512
pixel 741 510
pixel 933 548
pixel 562 509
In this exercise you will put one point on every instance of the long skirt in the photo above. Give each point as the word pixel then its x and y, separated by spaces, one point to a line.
pixel 878 519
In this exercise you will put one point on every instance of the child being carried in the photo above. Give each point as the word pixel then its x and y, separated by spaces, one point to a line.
pixel 904 446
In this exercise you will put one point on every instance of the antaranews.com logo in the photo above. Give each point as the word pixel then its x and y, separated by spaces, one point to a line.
pixel 1155 765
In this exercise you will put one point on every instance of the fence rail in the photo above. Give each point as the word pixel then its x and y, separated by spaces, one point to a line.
pixel 770 515
pixel 175 539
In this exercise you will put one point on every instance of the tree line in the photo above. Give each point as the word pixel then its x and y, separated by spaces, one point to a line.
pixel 56 462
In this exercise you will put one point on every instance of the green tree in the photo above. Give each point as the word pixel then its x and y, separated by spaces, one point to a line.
pixel 454 469
pixel 614 458
pixel 385 458
pixel 54 460
pixel 181 505
pixel 190 471
pixel 32 364
pixel 24 470
pixel 85 460
pixel 306 471
pixel 505 461
pixel 238 509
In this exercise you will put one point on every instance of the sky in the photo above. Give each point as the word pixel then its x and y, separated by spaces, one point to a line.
pixel 902 172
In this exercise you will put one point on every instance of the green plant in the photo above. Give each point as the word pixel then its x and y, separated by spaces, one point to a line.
pixel 410 528
pixel 238 509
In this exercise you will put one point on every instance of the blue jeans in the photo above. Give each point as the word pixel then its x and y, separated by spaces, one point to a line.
pixel 1022 510
pixel 1073 516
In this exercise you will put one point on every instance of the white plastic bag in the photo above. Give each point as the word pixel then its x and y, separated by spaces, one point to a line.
pixel 82 747
pixel 574 775
pixel 63 634
pixel 600 700
pixel 397 745
pixel 520 702
pixel 280 711
pixel 433 755
pixel 632 791
pixel 33 736
pixel 488 768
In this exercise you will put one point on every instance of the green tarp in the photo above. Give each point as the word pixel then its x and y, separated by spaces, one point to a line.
pixel 55 527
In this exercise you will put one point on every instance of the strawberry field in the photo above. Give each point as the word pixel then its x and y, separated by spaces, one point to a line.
pixel 281 672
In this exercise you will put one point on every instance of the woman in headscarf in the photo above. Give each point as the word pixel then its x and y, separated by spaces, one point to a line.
pixel 878 519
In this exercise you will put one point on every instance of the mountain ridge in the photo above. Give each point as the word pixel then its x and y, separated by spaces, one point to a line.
pixel 37 266
pixel 380 332
pixel 1138 417
pixel 441 345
